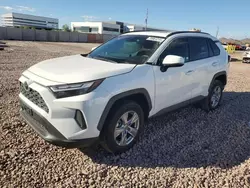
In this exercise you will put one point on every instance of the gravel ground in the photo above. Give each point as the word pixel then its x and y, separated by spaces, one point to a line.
pixel 187 148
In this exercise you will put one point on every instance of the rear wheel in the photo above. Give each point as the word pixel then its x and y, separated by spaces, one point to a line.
pixel 123 127
pixel 212 101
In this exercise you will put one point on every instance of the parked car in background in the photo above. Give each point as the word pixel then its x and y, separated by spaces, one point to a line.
pixel 107 95
pixel 238 47
pixel 246 56
pixel 243 47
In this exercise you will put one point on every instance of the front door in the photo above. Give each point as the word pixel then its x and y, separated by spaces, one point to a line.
pixel 175 85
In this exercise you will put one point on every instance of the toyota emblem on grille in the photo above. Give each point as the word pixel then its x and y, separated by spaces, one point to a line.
pixel 26 86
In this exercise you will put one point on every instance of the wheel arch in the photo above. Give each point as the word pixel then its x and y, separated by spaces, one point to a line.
pixel 139 95
pixel 221 76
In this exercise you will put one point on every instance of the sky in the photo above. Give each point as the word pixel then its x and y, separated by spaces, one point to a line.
pixel 230 16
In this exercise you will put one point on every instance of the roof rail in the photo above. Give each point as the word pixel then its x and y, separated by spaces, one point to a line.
pixel 170 34
pixel 148 30
pixel 180 32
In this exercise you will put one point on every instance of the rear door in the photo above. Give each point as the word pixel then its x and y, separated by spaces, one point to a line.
pixel 219 60
pixel 205 64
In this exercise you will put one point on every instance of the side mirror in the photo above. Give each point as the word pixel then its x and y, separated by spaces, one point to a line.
pixel 93 48
pixel 172 61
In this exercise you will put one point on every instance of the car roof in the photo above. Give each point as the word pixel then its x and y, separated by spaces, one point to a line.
pixel 150 33
pixel 169 33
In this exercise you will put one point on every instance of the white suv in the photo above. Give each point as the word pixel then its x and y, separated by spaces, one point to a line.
pixel 108 94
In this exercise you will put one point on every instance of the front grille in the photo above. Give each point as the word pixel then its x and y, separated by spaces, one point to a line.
pixel 34 97
pixel 36 122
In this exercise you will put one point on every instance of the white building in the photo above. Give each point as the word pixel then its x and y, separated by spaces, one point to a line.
pixel 132 27
pixel 135 27
pixel 96 27
pixel 110 27
pixel 18 20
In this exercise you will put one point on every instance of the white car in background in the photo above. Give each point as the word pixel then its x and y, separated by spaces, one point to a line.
pixel 107 95
pixel 246 56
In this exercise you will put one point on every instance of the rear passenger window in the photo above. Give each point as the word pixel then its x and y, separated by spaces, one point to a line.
pixel 211 53
pixel 215 48
pixel 198 48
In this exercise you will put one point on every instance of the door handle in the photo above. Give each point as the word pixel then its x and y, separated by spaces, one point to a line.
pixel 189 72
pixel 214 64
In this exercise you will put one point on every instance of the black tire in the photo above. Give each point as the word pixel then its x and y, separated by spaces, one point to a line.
pixel 206 104
pixel 107 135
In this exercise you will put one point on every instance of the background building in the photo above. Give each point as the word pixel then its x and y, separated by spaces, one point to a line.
pixel 19 20
pixel 135 27
pixel 122 26
pixel 111 27
pixel 96 27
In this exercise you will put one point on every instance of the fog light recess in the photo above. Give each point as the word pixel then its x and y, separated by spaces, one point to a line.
pixel 80 120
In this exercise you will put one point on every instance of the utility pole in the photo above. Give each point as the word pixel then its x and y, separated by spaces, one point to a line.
pixel 217 32
pixel 146 20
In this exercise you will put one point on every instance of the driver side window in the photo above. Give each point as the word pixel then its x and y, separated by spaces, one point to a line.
pixel 177 47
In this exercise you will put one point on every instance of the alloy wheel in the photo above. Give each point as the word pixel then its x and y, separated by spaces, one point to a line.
pixel 126 128
pixel 215 98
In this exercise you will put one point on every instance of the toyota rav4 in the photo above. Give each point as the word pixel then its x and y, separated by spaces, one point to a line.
pixel 106 96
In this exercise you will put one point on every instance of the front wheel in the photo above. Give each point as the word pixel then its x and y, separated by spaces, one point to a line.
pixel 212 101
pixel 123 127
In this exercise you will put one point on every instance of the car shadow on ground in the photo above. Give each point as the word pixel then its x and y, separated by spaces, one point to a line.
pixel 190 138
pixel 233 59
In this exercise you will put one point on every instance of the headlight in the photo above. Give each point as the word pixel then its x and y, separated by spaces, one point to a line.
pixel 69 90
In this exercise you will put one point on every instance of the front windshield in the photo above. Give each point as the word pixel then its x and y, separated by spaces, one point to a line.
pixel 135 49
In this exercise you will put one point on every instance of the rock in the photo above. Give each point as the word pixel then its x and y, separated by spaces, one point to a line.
pixel 168 155
pixel 91 181
pixel 247 180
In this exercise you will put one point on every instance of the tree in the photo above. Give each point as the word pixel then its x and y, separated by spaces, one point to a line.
pixel 65 27
pixel 25 27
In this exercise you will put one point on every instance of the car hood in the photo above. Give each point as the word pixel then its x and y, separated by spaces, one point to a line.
pixel 76 68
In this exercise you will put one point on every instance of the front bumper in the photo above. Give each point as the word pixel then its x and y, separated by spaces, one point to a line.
pixel 51 134
pixel 61 113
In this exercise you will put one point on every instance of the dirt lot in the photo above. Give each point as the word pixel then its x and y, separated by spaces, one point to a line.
pixel 188 148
